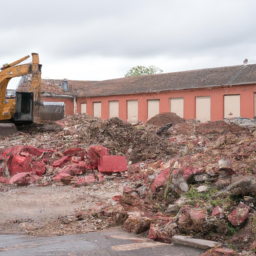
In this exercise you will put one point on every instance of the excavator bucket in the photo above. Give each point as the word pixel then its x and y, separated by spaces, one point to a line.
pixel 24 107
pixel 7 129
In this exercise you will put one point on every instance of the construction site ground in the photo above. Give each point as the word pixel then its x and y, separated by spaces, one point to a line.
pixel 166 180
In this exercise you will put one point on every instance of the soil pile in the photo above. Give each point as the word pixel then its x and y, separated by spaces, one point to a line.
pixel 165 118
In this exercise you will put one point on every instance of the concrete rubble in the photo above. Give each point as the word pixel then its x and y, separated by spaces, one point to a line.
pixel 191 179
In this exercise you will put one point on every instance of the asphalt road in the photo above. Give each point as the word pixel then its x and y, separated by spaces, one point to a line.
pixel 112 242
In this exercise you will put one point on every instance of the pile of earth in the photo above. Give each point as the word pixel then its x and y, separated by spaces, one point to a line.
pixel 165 118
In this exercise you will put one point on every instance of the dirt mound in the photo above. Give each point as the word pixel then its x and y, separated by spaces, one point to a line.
pixel 165 118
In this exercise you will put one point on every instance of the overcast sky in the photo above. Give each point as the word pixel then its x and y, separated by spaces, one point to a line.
pixel 103 39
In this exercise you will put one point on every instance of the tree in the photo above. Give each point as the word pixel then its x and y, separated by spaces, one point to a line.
pixel 142 70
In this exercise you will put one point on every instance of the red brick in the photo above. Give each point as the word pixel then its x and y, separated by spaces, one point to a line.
pixel 112 164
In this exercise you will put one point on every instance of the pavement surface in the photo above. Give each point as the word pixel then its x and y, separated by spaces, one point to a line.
pixel 111 242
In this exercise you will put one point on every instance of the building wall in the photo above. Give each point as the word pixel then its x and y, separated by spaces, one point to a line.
pixel 69 104
pixel 246 93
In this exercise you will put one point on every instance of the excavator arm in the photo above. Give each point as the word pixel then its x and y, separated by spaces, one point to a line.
pixel 11 109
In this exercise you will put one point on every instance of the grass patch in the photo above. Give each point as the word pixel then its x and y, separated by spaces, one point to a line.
pixel 232 230
pixel 193 194
pixel 168 183
pixel 221 202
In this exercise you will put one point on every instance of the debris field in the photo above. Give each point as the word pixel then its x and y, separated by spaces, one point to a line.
pixel 166 178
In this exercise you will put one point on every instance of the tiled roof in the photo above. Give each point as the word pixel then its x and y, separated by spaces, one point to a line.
pixel 201 78
pixel 54 86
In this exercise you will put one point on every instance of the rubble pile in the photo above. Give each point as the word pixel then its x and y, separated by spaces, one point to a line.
pixel 195 179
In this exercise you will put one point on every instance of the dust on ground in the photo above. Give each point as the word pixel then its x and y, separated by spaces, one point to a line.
pixel 52 210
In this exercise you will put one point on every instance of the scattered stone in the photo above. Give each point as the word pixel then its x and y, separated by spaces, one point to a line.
pixel 201 189
pixel 220 252
pixel 239 215
pixel 136 224
pixel 172 208
pixel 217 211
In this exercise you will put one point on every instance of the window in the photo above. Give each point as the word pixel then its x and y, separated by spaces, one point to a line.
pixel 65 85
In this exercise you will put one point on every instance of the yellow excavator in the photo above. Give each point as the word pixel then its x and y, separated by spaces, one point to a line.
pixel 25 107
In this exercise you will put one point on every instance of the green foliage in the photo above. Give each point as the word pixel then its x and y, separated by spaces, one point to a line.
pixel 142 70
pixel 220 202
pixel 194 194
pixel 167 184
pixel 232 230
pixel 254 226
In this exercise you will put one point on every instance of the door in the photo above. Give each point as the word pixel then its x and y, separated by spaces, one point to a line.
pixel 132 111
pixel 83 108
pixel 113 109
pixel 203 109
pixel 153 108
pixel 97 109
pixel 177 106
pixel 231 106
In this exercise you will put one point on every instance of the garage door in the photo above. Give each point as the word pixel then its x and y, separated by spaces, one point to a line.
pixel 83 108
pixel 177 106
pixel 153 108
pixel 97 109
pixel 132 111
pixel 231 106
pixel 203 109
pixel 113 109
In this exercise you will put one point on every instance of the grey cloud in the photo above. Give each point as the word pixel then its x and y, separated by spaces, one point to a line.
pixel 62 30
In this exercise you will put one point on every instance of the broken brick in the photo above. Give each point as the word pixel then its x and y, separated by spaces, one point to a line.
pixel 112 164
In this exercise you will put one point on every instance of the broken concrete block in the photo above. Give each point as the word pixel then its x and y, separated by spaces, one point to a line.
pixel 239 215
pixel 202 189
pixel 112 164
pixel 17 164
pixel 160 180
pixel 24 178
pixel 61 161
pixel 194 242
pixel 95 153
pixel 179 182
pixel 198 216
pixel 217 211
pixel 153 230
pixel 136 225
pixel 172 208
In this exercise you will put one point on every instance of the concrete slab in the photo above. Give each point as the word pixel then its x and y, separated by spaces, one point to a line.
pixel 114 242
pixel 194 242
